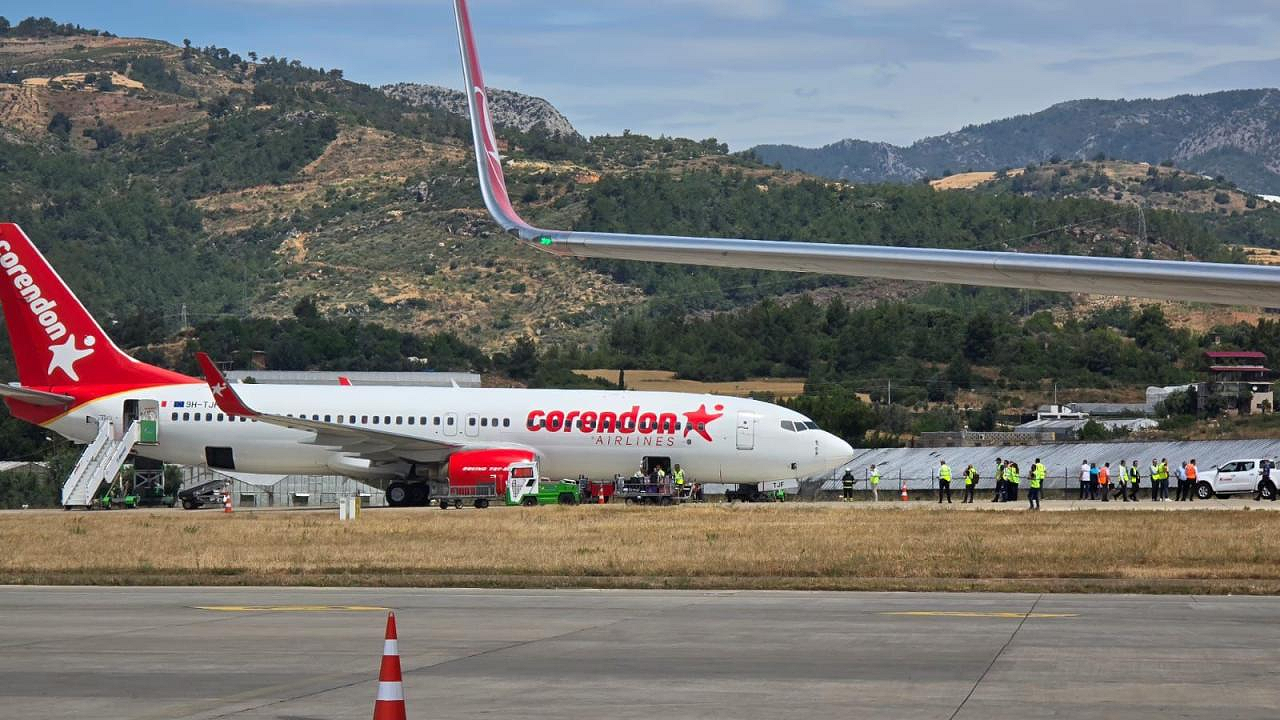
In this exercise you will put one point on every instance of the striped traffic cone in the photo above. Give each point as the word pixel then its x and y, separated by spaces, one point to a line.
pixel 390 702
pixel 226 500
pixel 904 492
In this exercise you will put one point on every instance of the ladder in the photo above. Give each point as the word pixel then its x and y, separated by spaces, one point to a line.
pixel 99 463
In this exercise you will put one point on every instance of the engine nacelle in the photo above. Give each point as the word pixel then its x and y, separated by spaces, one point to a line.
pixel 484 467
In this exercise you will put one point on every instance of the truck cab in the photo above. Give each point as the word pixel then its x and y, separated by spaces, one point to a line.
pixel 1235 477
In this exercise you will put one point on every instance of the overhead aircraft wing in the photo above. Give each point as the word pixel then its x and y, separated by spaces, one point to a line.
pixel 373 445
pixel 35 397
pixel 1217 283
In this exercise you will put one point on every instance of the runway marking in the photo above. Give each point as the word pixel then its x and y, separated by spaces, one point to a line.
pixel 292 608
pixel 964 614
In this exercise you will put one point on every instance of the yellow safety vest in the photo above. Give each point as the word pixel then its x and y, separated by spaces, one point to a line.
pixel 968 476
pixel 875 477
pixel 944 472
pixel 1012 477
pixel 1038 472
pixel 680 477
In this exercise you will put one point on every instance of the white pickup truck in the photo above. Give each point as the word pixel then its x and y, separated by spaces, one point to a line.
pixel 1237 476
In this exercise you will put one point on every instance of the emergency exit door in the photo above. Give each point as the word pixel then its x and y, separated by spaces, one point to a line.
pixel 746 431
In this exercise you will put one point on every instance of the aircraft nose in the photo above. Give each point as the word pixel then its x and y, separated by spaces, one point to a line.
pixel 836 452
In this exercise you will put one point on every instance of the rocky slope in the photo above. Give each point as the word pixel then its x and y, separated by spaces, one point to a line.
pixel 1235 134
pixel 510 109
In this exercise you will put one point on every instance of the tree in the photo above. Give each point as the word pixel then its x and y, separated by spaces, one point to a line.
pixel 104 136
pixel 187 52
pixel 984 420
pixel 979 337
pixel 4 25
pixel 104 83
pixel 60 125
pixel 306 309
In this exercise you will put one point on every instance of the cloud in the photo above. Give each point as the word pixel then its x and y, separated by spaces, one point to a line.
pixel 1089 64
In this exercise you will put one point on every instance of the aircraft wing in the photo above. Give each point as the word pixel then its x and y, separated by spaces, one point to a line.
pixel 35 397
pixel 1217 283
pixel 373 445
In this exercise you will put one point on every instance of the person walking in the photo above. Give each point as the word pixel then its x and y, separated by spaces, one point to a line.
pixel 846 485
pixel 1153 474
pixel 1135 476
pixel 1180 474
pixel 1084 478
pixel 1033 491
pixel 970 483
pixel 1011 482
pixel 1121 482
pixel 1193 474
pixel 1265 466
pixel 873 478
pixel 999 493
pixel 944 481
pixel 1164 479
pixel 1092 494
pixel 1104 481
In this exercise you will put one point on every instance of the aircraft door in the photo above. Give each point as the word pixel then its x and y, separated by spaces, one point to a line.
pixel 746 431
pixel 147 415
pixel 451 424
pixel 472 428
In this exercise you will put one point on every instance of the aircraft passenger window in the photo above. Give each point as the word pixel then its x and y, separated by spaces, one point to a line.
pixel 484 422
pixel 449 422
pixel 175 416
pixel 208 417
pixel 386 419
pixel 435 421
pixel 186 416
pixel 471 421
pixel 326 418
pixel 410 419
pixel 506 422
pixel 375 419
pixel 494 422
pixel 399 419
pixel 364 419
pixel 219 417
pixel 532 424
pixel 423 421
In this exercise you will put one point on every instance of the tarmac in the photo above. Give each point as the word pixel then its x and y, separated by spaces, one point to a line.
pixel 303 653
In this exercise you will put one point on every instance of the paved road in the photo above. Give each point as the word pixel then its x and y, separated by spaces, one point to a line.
pixel 151 653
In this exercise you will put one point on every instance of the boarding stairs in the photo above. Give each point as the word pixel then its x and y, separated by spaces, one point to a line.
pixel 99 463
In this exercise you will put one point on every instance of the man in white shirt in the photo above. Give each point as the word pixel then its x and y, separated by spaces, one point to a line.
pixel 1084 478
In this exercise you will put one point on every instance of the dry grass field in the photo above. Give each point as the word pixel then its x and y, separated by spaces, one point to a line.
pixel 794 546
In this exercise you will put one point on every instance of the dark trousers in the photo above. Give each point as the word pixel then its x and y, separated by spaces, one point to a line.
pixel 1164 488
pixel 848 492
pixel 1106 492
pixel 968 493
pixel 1093 489
pixel 1184 491
pixel 999 494
pixel 1155 490
pixel 1133 491
pixel 944 486
pixel 1084 488
pixel 1011 492
pixel 1033 497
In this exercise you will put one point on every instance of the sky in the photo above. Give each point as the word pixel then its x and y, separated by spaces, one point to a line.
pixel 748 71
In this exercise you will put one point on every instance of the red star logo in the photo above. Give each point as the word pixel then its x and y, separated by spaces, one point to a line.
pixel 698 420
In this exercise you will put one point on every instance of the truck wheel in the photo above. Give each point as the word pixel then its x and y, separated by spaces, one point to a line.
pixel 667 501
pixel 567 499
pixel 457 504
pixel 1204 490
pixel 482 503
pixel 397 494
pixel 529 501
pixel 444 504
pixel 1267 491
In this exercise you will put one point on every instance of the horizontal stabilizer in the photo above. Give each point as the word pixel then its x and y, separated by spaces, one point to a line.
pixel 35 397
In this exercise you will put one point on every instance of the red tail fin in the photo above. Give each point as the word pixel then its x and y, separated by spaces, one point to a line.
pixel 56 342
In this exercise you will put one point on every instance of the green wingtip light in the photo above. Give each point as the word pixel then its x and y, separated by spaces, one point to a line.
pixel 545 241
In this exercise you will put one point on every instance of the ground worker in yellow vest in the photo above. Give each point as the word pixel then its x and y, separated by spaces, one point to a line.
pixel 1135 476
pixel 1153 473
pixel 1011 482
pixel 1037 480
pixel 678 474
pixel 970 483
pixel 1000 473
pixel 944 481
pixel 873 478
pixel 1164 479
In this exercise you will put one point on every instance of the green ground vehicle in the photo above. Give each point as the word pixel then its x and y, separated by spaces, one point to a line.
pixel 536 491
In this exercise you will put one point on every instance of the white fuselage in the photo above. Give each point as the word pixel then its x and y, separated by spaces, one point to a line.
pixel 747 441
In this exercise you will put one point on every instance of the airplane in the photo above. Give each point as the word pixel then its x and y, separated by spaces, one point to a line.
pixel 72 377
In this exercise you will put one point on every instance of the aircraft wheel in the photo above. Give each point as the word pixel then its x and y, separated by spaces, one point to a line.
pixel 482 503
pixel 1204 490
pixel 397 495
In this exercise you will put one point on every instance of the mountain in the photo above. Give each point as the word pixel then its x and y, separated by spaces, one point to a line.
pixel 1235 134
pixel 510 109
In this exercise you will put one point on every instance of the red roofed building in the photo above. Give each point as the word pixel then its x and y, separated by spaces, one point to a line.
pixel 1238 379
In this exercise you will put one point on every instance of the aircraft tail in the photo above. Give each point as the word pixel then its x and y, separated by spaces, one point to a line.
pixel 56 342
pixel 493 184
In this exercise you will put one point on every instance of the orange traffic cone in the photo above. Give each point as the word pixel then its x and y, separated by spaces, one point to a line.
pixel 390 702
pixel 904 492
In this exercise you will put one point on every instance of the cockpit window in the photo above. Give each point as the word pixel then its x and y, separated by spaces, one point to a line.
pixel 788 425
pixel 811 425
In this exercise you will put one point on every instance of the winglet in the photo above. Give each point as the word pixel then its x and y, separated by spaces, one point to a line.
pixel 493 184
pixel 228 400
